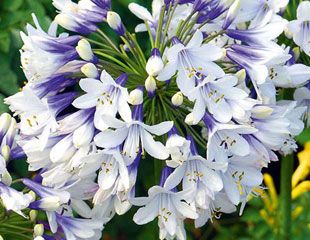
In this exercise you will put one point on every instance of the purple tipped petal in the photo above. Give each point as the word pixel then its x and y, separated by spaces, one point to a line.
pixel 164 175
pixel 137 113
pixel 193 146
pixel 122 80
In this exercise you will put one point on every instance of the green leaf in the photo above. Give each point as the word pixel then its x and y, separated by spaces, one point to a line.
pixel 12 5
pixel 5 41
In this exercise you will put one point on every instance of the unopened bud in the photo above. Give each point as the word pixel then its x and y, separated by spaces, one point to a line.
pixel 136 97
pixel 189 120
pixel 65 21
pixel 90 70
pixel 5 121
pixel 33 195
pixel 177 99
pixel 155 63
pixel 296 51
pixel 84 50
pixel 115 22
pixel 5 152
pixel 33 215
pixel 50 203
pixel 241 75
pixel 150 85
pixel 38 230
pixel 6 178
pixel 262 112
pixel 231 14
pixel 288 33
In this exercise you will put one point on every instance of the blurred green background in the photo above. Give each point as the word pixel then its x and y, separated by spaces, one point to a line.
pixel 14 14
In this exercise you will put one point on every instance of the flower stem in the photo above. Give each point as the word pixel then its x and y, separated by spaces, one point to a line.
pixel 285 207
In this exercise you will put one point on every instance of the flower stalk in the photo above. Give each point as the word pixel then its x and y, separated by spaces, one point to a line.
pixel 285 207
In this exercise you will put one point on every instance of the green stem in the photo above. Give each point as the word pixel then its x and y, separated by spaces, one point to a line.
pixel 285 207
pixel 159 27
pixel 108 40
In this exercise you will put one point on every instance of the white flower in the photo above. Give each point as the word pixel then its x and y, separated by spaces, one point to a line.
pixel 197 174
pixel 241 173
pixel 220 204
pixel 167 206
pixel 225 140
pixel 179 149
pixel 14 200
pixel 277 127
pixel 43 54
pixel 107 95
pixel 78 228
pixel 300 28
pixel 37 118
pixel 222 98
pixel 191 61
pixel 135 135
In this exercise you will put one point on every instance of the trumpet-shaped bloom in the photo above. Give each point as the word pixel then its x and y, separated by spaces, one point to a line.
pixel 190 62
pixel 133 134
pixel 108 96
pixel 166 205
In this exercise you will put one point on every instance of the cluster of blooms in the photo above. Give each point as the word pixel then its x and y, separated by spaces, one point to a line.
pixel 93 109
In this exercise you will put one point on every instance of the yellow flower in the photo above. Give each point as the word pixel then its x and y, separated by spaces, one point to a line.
pixel 303 169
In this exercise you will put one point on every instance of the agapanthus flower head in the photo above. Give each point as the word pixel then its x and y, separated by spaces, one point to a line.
pixel 203 101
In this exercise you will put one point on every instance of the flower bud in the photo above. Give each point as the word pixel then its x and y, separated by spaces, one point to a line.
pixel 10 134
pixel 5 121
pixel 296 51
pixel 33 195
pixel 177 99
pixel 1 238
pixel 231 14
pixel 288 33
pixel 33 215
pixel 84 50
pixel 38 230
pixel 90 70
pixel 115 22
pixel 189 120
pixel 136 97
pixel 241 75
pixel 6 178
pixel 48 203
pixel 155 63
pixel 150 86
pixel 5 152
pixel 65 21
pixel 262 112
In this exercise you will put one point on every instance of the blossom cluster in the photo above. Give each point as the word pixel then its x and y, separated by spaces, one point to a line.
pixel 206 103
